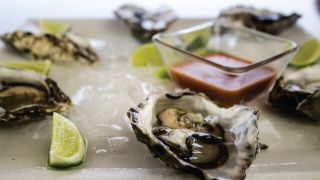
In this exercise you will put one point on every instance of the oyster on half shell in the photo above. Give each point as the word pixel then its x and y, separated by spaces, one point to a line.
pixel 57 48
pixel 187 131
pixel 299 91
pixel 143 23
pixel 26 95
pixel 259 19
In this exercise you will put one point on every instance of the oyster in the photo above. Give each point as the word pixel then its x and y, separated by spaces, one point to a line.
pixel 299 90
pixel 190 133
pixel 145 24
pixel 259 19
pixel 26 95
pixel 58 48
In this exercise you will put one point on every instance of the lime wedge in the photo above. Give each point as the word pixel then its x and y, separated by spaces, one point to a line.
pixel 53 27
pixel 68 147
pixel 146 55
pixel 308 53
pixel 42 67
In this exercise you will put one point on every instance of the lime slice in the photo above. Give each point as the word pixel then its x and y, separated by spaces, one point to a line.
pixel 42 67
pixel 146 55
pixel 68 147
pixel 53 27
pixel 308 53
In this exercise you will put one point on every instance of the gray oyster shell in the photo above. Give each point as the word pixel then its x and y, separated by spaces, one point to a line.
pixel 259 19
pixel 58 48
pixel 230 134
pixel 299 91
pixel 26 95
pixel 144 24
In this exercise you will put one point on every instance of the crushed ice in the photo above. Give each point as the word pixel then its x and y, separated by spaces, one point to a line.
pixel 102 93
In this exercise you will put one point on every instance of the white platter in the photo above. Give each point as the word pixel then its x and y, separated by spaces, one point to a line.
pixel 103 92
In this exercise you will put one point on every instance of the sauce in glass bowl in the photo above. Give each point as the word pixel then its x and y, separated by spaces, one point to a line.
pixel 227 89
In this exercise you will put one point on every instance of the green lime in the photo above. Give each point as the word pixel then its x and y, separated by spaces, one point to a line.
pixel 161 73
pixel 53 27
pixel 308 53
pixel 197 43
pixel 204 34
pixel 68 146
pixel 146 55
pixel 42 67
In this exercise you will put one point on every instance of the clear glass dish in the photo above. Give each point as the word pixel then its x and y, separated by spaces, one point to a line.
pixel 258 50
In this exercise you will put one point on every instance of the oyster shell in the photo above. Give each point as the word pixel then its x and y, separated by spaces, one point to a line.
pixel 144 24
pixel 259 19
pixel 299 91
pixel 187 131
pixel 26 95
pixel 58 48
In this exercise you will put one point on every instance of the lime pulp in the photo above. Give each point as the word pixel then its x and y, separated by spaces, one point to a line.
pixel 68 146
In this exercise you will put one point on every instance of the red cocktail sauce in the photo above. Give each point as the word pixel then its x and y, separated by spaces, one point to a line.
pixel 225 88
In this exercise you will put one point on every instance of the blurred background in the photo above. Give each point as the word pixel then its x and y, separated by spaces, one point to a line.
pixel 15 12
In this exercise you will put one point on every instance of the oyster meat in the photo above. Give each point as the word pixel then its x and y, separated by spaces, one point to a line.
pixel 187 131
pixel 58 48
pixel 259 19
pixel 26 95
pixel 299 91
pixel 144 24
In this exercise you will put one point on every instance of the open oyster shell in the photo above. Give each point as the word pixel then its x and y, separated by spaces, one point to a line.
pixel 187 131
pixel 259 19
pixel 26 95
pixel 299 91
pixel 144 24
pixel 58 48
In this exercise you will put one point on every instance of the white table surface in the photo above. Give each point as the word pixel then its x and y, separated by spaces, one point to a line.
pixel 14 12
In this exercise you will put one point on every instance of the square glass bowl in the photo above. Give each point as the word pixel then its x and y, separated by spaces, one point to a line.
pixel 229 64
